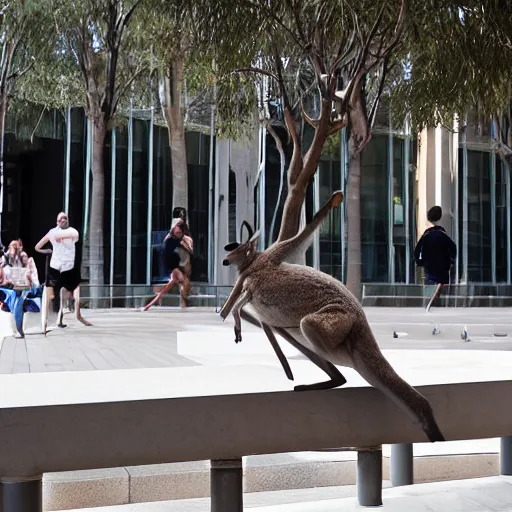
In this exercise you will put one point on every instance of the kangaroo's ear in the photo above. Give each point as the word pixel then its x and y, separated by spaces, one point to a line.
pixel 231 247
pixel 250 231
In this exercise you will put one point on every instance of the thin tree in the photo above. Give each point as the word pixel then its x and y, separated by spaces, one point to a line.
pixel 182 73
pixel 23 38
pixel 338 56
pixel 97 40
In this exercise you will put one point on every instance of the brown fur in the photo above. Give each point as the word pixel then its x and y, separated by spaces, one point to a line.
pixel 320 314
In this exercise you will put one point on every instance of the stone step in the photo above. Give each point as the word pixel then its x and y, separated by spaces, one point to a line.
pixel 262 474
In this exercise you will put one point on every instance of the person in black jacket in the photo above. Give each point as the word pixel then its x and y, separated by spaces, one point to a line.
pixel 436 252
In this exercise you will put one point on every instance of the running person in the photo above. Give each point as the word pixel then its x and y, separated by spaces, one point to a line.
pixel 436 252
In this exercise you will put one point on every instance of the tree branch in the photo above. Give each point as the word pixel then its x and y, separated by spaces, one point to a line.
pixel 306 118
pixel 342 55
pixel 336 127
pixel 373 111
pixel 296 160
pixel 123 88
pixel 399 28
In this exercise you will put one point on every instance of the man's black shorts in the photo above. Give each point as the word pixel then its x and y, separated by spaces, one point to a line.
pixel 70 279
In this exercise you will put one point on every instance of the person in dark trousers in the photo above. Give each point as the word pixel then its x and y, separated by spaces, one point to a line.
pixel 436 252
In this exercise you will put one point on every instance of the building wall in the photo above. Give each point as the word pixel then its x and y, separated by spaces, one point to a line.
pixel 402 177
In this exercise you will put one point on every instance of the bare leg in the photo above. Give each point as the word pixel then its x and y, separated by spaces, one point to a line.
pixel 163 291
pixel 60 315
pixel 434 297
pixel 78 314
pixel 185 287
pixel 45 308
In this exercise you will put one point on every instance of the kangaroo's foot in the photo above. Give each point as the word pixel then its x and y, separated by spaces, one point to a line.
pixel 328 384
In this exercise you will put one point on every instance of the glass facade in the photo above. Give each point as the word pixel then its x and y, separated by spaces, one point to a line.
pixel 37 179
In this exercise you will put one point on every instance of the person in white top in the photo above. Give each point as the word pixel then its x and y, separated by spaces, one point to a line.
pixel 63 272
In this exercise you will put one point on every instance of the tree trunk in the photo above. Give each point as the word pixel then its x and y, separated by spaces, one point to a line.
pixel 170 87
pixel 3 112
pixel 354 225
pixel 96 261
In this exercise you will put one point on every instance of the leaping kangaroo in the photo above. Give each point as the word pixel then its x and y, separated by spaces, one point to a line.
pixel 318 315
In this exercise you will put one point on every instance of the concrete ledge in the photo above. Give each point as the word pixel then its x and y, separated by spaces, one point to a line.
pixel 81 489
pixel 169 481
pixel 262 474
pixel 482 495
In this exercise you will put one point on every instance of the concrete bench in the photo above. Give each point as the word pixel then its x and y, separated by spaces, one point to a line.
pixel 89 420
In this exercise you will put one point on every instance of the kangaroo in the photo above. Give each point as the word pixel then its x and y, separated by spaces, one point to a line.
pixel 318 315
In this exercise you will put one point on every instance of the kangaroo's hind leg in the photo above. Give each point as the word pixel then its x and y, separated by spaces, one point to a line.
pixel 324 330
pixel 248 317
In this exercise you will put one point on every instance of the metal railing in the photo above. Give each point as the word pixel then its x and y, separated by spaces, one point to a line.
pixel 137 295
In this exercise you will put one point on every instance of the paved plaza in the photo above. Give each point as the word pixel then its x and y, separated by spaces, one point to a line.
pixel 151 344
pixel 127 339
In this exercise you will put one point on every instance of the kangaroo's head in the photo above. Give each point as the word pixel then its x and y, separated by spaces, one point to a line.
pixel 242 255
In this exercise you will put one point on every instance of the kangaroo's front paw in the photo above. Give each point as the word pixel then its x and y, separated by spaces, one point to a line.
pixel 238 335
pixel 337 199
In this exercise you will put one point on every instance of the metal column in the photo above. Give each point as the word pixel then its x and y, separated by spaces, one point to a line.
pixel 22 496
pixel 88 150
pixel 113 149
pixel 492 167
pixel 68 160
pixel 150 197
pixel 402 469
pixel 455 175
pixel 262 187
pixel 211 200
pixel 391 247
pixel 342 209
pixel 226 486
pixel 216 203
pixel 369 477
pixel 506 456
pixel 406 180
pixel 465 223
pixel 129 199
pixel 509 227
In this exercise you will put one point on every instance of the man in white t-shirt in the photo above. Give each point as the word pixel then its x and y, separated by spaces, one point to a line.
pixel 63 272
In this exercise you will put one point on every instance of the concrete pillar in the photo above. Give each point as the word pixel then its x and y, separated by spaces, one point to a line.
pixel 22 495
pixel 402 471
pixel 435 176
pixel 369 477
pixel 506 456
pixel 243 160
pixel 226 486
pixel 221 205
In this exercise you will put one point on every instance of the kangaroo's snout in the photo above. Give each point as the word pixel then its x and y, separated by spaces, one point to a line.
pixel 226 263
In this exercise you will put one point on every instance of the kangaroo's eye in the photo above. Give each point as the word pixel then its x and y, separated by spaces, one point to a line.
pixel 247 253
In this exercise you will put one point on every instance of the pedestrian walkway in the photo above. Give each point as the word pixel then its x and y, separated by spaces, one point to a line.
pixel 127 339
